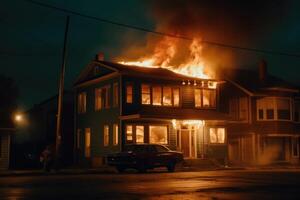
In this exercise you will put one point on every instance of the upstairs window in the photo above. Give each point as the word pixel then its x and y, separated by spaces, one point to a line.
pixel 176 96
pixel 102 99
pixel 167 96
pixel 272 108
pixel 217 135
pixel 156 95
pixel 129 93
pixel 116 95
pixel 283 109
pixel 205 98
pixel 146 94
pixel 81 107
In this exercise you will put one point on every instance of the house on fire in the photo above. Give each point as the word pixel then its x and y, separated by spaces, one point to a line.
pixel 119 104
pixel 244 117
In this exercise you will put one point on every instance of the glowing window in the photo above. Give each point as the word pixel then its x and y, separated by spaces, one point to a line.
pixel 106 135
pixel 129 133
pixel 198 99
pixel 102 98
pixel 129 93
pixel 156 95
pixel 176 96
pixel 167 96
pixel 87 142
pixel 146 94
pixel 115 134
pixel 209 98
pixel 139 134
pixel 158 134
pixel 217 135
pixel 81 102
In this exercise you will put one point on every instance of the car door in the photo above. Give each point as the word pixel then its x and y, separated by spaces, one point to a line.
pixel 151 155
pixel 162 155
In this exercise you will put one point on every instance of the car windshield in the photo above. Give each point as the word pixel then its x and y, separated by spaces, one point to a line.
pixel 161 148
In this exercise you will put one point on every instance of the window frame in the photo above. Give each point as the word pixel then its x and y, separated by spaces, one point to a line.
pixel 104 102
pixel 202 98
pixel 168 133
pixel 81 102
pixel 116 132
pixel 106 134
pixel 87 147
pixel 129 84
pixel 216 131
pixel 275 108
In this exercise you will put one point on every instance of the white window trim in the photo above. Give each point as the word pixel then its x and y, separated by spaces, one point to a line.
pixel 275 110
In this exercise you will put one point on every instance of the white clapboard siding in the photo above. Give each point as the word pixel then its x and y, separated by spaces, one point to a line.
pixel 5 148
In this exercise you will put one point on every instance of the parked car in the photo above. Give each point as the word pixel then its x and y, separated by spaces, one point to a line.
pixel 145 156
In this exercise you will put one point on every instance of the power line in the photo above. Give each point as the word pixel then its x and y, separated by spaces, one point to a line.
pixel 68 11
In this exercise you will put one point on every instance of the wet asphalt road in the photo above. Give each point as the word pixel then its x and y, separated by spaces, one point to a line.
pixel 230 184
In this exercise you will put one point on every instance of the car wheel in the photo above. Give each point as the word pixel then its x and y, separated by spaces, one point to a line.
pixel 171 166
pixel 120 169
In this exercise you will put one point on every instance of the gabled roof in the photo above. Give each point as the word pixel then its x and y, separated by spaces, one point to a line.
pixel 249 81
pixel 160 73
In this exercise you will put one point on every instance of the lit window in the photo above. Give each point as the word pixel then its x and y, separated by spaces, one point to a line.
pixel 158 134
pixel 156 95
pixel 102 98
pixel 129 93
pixel 139 134
pixel 116 95
pixel 116 134
pixel 129 133
pixel 106 135
pixel 81 102
pixel 209 98
pixel 146 94
pixel 198 102
pixel 176 97
pixel 87 143
pixel 217 135
pixel 167 96
pixel 283 109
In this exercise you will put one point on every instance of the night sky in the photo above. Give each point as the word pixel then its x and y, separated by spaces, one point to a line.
pixel 32 36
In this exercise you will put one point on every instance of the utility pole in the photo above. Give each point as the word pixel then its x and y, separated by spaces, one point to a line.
pixel 60 96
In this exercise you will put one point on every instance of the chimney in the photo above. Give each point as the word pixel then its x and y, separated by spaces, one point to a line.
pixel 262 70
pixel 99 56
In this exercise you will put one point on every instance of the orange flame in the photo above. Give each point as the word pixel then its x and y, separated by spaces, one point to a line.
pixel 165 53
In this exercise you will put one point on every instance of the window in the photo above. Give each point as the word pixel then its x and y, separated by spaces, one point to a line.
pixel 198 99
pixel 272 108
pixel 283 109
pixel 78 138
pixel 102 98
pixel 129 133
pixel 176 96
pixel 243 108
pixel 106 135
pixel 87 142
pixel 158 134
pixel 129 93
pixel 167 96
pixel 116 134
pixel 139 134
pixel 116 95
pixel 81 102
pixel 205 98
pixel 217 135
pixel 146 99
pixel 156 95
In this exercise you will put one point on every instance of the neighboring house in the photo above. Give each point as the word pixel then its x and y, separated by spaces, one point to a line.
pixel 5 137
pixel 118 104
pixel 40 131
pixel 266 110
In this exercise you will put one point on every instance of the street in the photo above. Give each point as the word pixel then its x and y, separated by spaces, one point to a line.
pixel 227 184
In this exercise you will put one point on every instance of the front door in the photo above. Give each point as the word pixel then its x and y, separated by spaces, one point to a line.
pixel 188 142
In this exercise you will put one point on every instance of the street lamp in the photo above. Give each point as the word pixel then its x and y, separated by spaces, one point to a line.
pixel 18 118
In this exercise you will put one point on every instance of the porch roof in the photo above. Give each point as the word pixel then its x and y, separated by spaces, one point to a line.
pixel 182 114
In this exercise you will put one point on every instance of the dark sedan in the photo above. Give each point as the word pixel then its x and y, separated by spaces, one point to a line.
pixel 145 156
